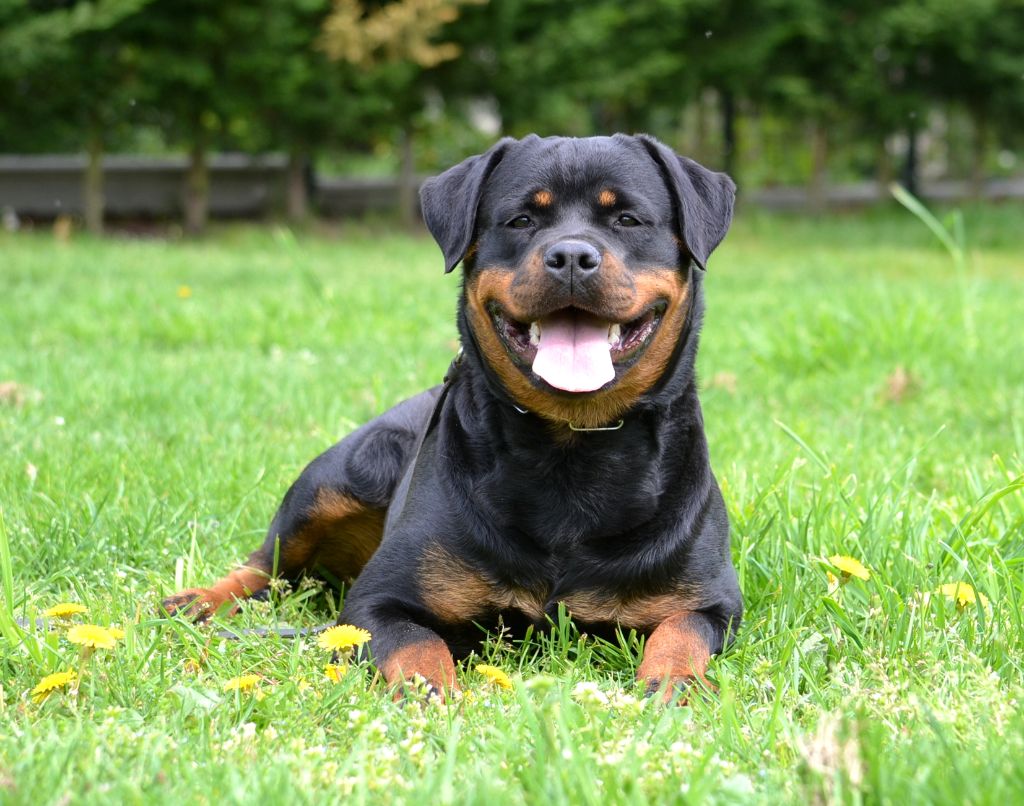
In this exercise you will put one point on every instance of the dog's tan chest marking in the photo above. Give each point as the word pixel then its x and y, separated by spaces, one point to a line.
pixel 457 593
pixel 638 612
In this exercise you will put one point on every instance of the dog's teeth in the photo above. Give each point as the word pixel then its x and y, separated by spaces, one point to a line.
pixel 614 334
pixel 535 333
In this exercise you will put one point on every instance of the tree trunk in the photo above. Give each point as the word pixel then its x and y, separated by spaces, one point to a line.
pixel 729 155
pixel 407 183
pixel 92 184
pixel 978 144
pixel 297 191
pixel 753 136
pixel 910 164
pixel 817 191
pixel 197 188
pixel 700 129
pixel 884 173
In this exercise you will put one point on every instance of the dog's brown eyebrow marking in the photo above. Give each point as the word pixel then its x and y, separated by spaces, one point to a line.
pixel 606 198
pixel 543 198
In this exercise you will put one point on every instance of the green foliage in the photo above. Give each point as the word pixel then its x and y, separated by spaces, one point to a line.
pixel 33 33
pixel 706 76
pixel 71 72
pixel 288 95
pixel 863 70
pixel 153 431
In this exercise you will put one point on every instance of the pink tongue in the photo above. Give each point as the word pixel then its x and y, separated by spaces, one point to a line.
pixel 574 354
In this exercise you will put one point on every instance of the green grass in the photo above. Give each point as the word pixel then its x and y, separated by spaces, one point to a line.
pixel 861 397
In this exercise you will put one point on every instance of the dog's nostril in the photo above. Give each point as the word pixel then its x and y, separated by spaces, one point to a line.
pixel 554 259
pixel 589 259
pixel 572 255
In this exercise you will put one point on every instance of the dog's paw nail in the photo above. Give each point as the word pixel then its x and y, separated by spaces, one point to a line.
pixel 189 604
pixel 677 689
pixel 651 687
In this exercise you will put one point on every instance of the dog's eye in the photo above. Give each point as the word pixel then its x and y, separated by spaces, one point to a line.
pixel 626 220
pixel 520 222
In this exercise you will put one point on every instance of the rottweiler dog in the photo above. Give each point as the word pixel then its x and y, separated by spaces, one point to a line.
pixel 563 461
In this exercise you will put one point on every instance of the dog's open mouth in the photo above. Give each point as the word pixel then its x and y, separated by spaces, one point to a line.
pixel 573 350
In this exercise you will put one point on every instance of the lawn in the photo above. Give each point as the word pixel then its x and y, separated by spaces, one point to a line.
pixel 862 397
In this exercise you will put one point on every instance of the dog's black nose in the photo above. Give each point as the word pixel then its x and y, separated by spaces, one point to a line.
pixel 572 257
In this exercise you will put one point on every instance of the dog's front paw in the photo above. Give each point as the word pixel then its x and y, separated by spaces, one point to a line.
pixel 419 689
pixel 197 604
pixel 677 689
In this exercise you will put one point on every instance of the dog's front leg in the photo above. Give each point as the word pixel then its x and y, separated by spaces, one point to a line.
pixel 676 654
pixel 413 658
pixel 422 659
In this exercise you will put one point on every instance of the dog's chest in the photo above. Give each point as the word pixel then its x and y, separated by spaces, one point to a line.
pixel 557 502
pixel 534 592
pixel 597 611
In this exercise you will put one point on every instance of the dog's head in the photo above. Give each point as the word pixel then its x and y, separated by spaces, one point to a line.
pixel 578 258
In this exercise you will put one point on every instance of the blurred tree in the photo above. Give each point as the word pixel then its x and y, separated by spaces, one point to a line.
pixel 557 66
pixel 395 41
pixel 309 76
pixel 71 67
pixel 819 59
pixel 727 47
pixel 606 66
pixel 1004 59
pixel 288 95
pixel 522 58
pixel 968 53
pixel 184 47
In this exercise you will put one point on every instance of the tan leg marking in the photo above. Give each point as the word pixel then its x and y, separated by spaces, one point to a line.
pixel 429 659
pixel 675 654
pixel 342 534
pixel 201 603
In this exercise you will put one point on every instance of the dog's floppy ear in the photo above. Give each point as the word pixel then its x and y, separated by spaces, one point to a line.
pixel 450 201
pixel 703 198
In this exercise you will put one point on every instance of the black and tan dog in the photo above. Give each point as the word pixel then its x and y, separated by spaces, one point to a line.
pixel 564 459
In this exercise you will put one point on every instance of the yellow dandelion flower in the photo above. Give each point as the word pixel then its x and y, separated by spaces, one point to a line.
pixel 49 684
pixel 244 682
pixel 184 292
pixel 92 635
pixel 191 666
pixel 963 594
pixel 495 676
pixel 117 632
pixel 849 566
pixel 65 610
pixel 342 636
pixel 334 672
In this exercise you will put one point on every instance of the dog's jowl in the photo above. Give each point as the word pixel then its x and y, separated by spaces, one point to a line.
pixel 563 461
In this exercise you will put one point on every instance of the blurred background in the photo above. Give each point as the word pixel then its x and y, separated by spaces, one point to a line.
pixel 183 110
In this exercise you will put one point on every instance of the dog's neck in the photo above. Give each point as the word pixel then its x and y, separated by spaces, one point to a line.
pixel 594 486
